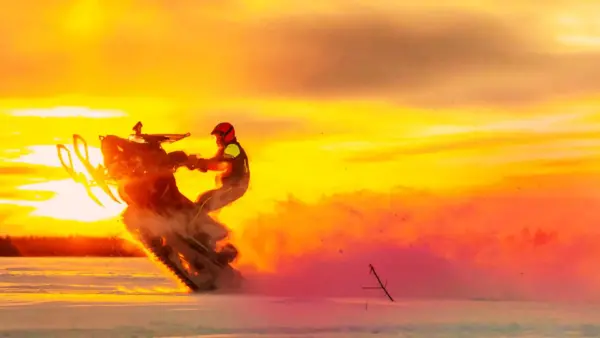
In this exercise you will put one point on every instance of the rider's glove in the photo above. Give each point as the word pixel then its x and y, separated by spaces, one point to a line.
pixel 191 162
pixel 194 162
pixel 202 165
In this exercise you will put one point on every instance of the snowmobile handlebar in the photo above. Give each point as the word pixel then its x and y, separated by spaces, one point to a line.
pixel 178 159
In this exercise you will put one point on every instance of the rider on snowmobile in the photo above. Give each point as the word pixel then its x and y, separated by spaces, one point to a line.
pixel 231 160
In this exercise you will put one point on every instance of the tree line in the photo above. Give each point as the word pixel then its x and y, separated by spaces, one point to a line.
pixel 72 246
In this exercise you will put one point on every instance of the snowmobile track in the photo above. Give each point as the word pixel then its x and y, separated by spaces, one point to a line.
pixel 173 268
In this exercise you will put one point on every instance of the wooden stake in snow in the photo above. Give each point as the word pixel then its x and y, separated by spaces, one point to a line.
pixel 382 286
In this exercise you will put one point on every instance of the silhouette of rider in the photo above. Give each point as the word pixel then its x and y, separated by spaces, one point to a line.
pixel 232 163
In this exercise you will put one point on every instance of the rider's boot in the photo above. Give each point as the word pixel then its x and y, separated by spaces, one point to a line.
pixel 227 254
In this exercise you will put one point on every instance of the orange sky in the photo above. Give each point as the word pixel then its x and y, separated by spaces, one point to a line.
pixel 462 102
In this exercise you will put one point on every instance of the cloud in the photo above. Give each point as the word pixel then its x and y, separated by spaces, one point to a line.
pixel 428 57
pixel 470 141
pixel 19 170
pixel 14 175
pixel 373 52
pixel 443 58
pixel 10 212
pixel 25 172
pixel 528 238
pixel 250 123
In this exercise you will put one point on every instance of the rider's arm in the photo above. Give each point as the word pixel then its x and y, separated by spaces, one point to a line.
pixel 223 162
pixel 216 164
pixel 177 158
pixel 220 162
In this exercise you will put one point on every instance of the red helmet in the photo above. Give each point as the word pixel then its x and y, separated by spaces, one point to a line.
pixel 225 130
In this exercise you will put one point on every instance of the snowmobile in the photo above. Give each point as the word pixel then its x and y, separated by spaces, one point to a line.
pixel 158 215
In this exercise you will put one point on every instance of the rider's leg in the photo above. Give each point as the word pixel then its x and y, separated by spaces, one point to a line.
pixel 218 198
pixel 208 202
pixel 202 202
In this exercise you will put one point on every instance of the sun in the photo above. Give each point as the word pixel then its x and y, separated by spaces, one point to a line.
pixel 71 201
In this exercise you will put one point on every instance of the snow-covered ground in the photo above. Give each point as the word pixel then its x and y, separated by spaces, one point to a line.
pixel 91 297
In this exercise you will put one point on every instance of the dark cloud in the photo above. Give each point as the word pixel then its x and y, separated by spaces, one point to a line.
pixel 446 58
pixel 372 52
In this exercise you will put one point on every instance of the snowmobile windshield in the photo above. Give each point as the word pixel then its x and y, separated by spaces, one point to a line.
pixel 136 139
